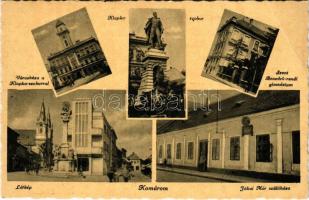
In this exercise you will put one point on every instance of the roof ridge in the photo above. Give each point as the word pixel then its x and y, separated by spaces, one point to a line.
pixel 236 106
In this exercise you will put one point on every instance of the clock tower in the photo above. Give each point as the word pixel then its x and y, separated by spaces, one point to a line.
pixel 64 34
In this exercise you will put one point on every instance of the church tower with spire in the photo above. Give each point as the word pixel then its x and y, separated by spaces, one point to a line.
pixel 44 135
pixel 41 128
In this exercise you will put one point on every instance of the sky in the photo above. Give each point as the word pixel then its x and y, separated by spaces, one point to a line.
pixel 46 37
pixel 133 135
pixel 173 21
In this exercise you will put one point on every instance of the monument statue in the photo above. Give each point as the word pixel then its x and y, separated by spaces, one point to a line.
pixel 66 112
pixel 62 160
pixel 154 30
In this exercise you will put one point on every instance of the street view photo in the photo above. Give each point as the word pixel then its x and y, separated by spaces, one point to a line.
pixel 240 52
pixel 82 136
pixel 232 137
pixel 157 70
pixel 71 51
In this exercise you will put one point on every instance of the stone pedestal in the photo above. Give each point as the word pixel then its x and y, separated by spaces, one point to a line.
pixel 64 165
pixel 64 149
pixel 64 161
pixel 63 154
pixel 153 58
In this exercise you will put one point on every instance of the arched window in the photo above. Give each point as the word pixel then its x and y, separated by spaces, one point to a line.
pixel 158 75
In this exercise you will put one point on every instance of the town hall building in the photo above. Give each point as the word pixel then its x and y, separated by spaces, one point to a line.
pixel 76 60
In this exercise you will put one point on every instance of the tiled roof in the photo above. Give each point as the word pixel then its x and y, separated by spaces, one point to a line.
pixel 26 137
pixel 235 106
pixel 246 26
pixel 251 28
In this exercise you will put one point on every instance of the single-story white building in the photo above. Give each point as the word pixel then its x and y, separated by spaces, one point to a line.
pixel 259 134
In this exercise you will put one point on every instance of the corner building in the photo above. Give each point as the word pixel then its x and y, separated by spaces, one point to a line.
pixel 76 60
pixel 241 50
pixel 92 138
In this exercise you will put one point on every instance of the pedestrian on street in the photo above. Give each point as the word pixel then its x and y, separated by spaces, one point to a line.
pixel 111 174
pixel 37 169
pixel 27 169
pixel 165 162
pixel 126 173
pixel 80 172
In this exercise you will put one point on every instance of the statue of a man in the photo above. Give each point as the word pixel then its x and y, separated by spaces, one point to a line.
pixel 154 30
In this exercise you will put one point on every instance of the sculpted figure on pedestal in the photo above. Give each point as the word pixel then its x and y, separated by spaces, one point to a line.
pixel 154 30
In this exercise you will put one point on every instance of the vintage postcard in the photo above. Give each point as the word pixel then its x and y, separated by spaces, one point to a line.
pixel 157 66
pixel 232 137
pixel 240 52
pixel 71 51
pixel 75 138
pixel 181 100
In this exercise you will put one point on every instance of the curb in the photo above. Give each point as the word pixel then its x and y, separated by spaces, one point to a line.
pixel 203 176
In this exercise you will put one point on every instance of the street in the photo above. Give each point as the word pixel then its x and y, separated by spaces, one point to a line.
pixel 164 176
pixel 139 177
pixel 22 176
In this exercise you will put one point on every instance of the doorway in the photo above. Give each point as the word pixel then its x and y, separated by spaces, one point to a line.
pixel 203 155
pixel 83 164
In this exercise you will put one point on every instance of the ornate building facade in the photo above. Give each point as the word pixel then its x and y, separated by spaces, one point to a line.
pixel 240 52
pixel 77 59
